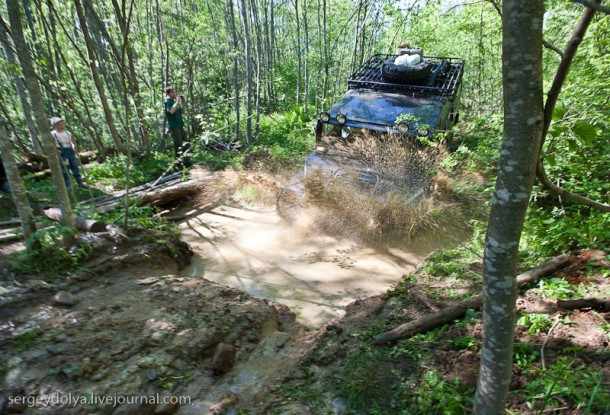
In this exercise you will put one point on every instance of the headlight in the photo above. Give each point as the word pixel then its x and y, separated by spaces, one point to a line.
pixel 423 131
pixel 341 118
pixel 403 127
pixel 325 117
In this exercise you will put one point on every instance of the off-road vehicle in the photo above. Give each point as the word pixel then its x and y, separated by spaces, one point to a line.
pixel 408 104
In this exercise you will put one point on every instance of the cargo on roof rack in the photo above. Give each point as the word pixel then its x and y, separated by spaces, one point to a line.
pixel 369 76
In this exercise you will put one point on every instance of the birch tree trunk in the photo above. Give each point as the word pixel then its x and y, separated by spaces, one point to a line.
pixel 23 54
pixel 235 66
pixel 130 72
pixel 298 51
pixel 96 78
pixel 25 105
pixel 306 67
pixel 244 15
pixel 18 192
pixel 523 120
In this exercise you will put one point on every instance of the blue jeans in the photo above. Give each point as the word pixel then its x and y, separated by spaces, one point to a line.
pixel 68 160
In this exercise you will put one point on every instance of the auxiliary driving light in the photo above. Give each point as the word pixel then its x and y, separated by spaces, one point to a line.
pixel 341 118
pixel 325 117
pixel 423 131
pixel 403 127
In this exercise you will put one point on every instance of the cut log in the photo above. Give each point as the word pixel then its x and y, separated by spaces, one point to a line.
pixel 80 223
pixel 447 315
pixel 9 237
pixel 11 222
pixel 599 304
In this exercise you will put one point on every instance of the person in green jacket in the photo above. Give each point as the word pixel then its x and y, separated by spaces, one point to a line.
pixel 175 124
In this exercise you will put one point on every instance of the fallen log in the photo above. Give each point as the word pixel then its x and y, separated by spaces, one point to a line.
pixel 160 196
pixel 447 315
pixel 80 223
pixel 11 222
pixel 9 237
pixel 167 194
pixel 599 304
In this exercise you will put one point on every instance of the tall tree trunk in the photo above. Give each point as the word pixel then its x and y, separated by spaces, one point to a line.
pixel 23 53
pixel 273 48
pixel 96 78
pixel 14 180
pixel 244 15
pixel 523 121
pixel 356 38
pixel 298 51
pixel 306 54
pixel 50 63
pixel 18 141
pixel 259 60
pixel 61 96
pixel 133 85
pixel 235 66
pixel 25 105
pixel 326 69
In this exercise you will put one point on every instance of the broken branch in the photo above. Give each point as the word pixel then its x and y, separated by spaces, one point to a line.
pixel 449 314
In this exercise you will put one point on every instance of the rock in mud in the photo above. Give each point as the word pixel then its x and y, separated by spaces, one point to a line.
pixel 64 299
pixel 58 348
pixel 224 358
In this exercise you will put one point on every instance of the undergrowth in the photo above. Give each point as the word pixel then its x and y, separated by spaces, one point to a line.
pixel 48 253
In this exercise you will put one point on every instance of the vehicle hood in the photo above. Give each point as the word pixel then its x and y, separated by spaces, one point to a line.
pixel 378 110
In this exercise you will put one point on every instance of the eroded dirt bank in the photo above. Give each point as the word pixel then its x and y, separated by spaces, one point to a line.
pixel 131 326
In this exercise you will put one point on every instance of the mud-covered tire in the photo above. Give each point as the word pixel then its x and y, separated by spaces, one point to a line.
pixel 287 205
pixel 402 74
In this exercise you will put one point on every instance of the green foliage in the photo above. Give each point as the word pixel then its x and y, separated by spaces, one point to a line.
pixel 159 232
pixel 25 341
pixel 47 252
pixel 437 396
pixel 371 383
pixel 111 173
pixel 536 323
pixel 452 268
pixel 577 384
pixel 524 354
pixel 555 288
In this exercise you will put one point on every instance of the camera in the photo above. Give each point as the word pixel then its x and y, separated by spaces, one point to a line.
pixel 181 96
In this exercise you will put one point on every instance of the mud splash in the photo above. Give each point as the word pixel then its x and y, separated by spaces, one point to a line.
pixel 250 248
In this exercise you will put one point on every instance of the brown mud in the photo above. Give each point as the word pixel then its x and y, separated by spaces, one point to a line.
pixel 141 321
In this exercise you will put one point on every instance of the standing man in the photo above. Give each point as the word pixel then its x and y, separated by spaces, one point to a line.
pixel 65 141
pixel 175 124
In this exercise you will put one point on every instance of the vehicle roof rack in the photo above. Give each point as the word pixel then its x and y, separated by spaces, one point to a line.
pixel 369 76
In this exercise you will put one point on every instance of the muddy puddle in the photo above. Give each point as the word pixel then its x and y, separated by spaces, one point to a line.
pixel 316 275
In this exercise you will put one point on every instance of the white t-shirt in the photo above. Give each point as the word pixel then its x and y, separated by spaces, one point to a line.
pixel 63 139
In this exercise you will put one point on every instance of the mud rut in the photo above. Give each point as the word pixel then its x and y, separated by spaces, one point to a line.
pixel 250 248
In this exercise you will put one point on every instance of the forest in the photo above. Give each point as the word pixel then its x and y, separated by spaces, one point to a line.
pixel 517 289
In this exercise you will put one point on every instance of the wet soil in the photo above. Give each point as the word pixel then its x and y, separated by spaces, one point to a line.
pixel 141 321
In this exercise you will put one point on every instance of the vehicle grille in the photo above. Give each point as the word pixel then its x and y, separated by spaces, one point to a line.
pixel 369 76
